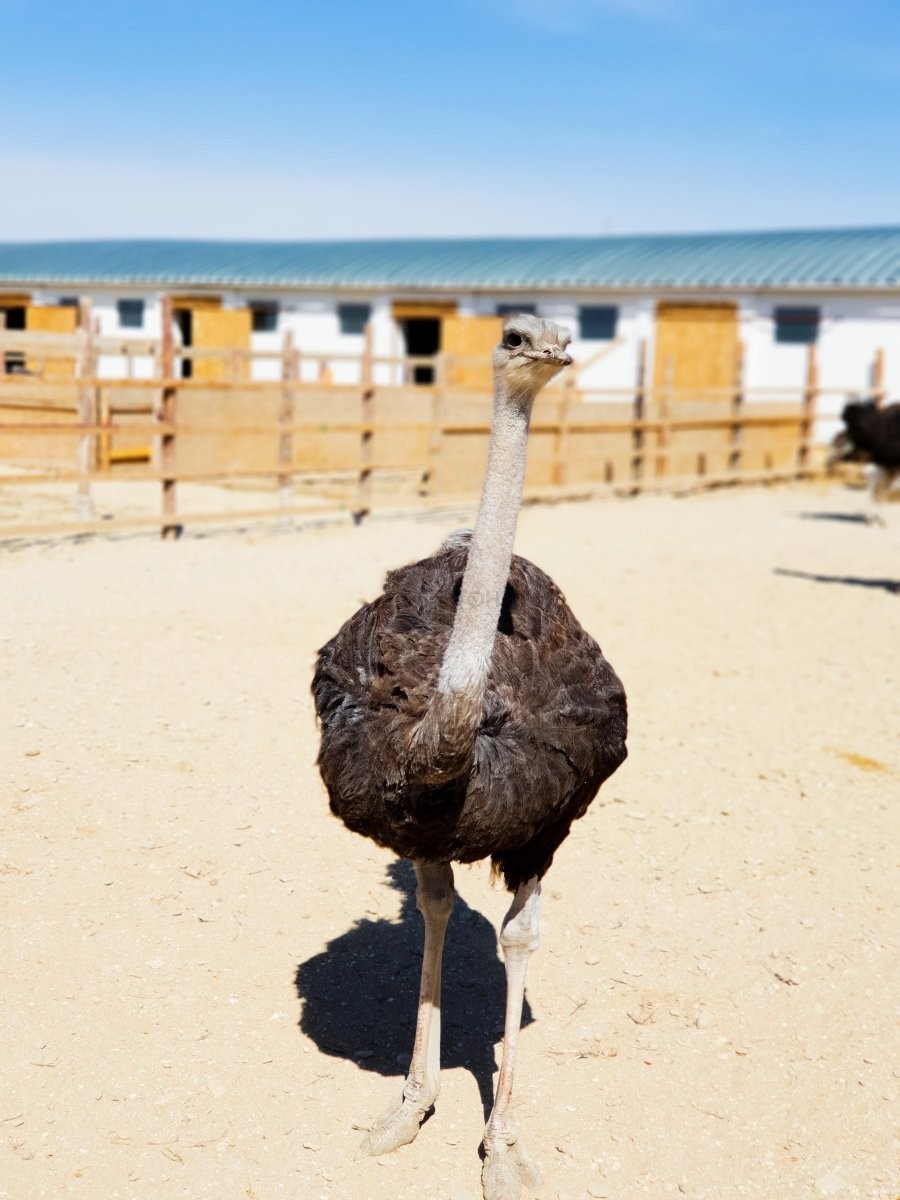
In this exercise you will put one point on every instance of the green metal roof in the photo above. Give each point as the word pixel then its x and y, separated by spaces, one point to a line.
pixel 861 259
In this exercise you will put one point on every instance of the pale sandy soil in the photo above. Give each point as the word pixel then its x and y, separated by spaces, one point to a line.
pixel 206 980
pixel 125 502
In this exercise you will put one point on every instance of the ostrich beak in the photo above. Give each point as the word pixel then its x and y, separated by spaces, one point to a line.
pixel 554 354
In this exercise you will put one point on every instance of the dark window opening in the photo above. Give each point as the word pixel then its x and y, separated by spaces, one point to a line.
pixel 131 314
pixel 264 317
pixel 797 326
pixel 13 318
pixel 354 318
pixel 184 320
pixel 68 302
pixel 504 310
pixel 423 340
pixel 598 322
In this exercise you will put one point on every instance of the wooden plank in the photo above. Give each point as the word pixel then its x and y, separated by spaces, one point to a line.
pixel 590 425
pixel 50 397
pixel 42 334
pixel 575 425
pixel 350 474
pixel 122 345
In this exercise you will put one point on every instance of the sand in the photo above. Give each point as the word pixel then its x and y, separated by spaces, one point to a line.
pixel 207 981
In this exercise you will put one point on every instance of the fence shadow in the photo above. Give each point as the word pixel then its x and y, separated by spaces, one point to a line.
pixel 891 586
pixel 359 995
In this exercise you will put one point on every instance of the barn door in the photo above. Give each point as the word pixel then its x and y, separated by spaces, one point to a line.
pixel 695 374
pixel 53 318
pixel 213 327
pixel 469 345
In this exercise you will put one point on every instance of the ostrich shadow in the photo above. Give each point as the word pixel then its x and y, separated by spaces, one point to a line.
pixel 848 518
pixel 891 586
pixel 359 995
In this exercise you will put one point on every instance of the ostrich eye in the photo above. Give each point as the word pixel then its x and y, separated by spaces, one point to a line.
pixel 514 340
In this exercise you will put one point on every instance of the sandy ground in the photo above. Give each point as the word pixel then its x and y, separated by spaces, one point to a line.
pixel 207 980
pixel 132 501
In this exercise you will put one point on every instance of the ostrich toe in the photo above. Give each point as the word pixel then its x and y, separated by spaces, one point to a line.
pixel 398 1128
pixel 508 1166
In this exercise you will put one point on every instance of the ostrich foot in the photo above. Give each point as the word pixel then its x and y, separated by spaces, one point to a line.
pixel 507 1165
pixel 398 1128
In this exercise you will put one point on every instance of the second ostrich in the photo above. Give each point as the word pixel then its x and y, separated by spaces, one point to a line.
pixel 465 714
pixel 871 434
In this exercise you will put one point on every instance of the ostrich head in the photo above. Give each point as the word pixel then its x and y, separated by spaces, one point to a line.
pixel 530 353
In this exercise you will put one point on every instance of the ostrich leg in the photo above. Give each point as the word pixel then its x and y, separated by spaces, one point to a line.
pixel 878 481
pixel 507 1166
pixel 434 899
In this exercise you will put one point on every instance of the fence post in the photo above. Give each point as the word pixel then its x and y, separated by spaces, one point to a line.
pixel 810 395
pixel 736 433
pixel 879 394
pixel 366 439
pixel 561 447
pixel 84 508
pixel 435 429
pixel 639 409
pixel 167 414
pixel 663 437
pixel 285 423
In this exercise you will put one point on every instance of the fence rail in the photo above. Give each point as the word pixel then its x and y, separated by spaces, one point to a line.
pixel 310 447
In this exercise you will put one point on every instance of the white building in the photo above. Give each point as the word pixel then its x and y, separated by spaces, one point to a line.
pixel 688 314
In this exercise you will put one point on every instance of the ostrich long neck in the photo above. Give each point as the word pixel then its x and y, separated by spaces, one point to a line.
pixel 446 736
pixel 468 656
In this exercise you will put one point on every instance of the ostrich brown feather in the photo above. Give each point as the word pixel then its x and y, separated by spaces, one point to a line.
pixel 552 727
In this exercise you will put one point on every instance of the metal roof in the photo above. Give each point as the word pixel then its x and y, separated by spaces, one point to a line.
pixel 857 259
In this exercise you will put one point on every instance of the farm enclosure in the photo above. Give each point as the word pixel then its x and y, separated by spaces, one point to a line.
pixel 300 445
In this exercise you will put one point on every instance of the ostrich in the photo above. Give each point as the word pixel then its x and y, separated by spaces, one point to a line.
pixel 871 434
pixel 465 714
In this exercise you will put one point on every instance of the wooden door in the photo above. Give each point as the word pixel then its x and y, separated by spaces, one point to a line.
pixel 216 328
pixel 695 376
pixel 53 318
pixel 697 349
pixel 468 343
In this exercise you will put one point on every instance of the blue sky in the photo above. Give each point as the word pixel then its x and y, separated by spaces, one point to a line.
pixel 339 118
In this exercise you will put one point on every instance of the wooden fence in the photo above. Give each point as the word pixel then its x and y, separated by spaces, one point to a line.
pixel 307 447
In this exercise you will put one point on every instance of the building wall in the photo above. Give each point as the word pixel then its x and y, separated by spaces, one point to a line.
pixel 852 329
